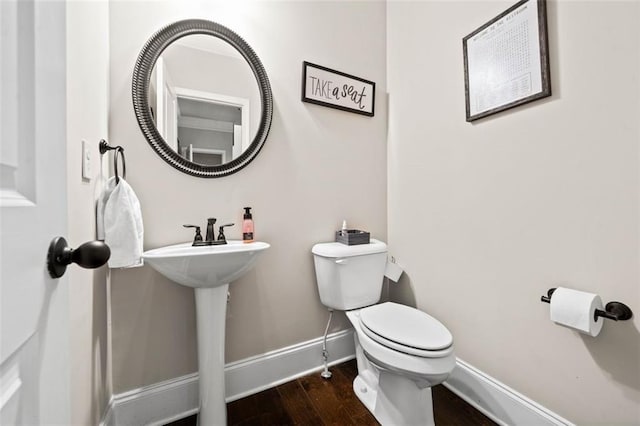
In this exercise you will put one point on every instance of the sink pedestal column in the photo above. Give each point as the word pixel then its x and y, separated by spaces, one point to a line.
pixel 211 310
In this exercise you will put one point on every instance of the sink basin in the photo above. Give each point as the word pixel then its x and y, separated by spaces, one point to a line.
pixel 204 266
pixel 209 270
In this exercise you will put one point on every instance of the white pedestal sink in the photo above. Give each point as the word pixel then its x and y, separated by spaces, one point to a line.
pixel 209 270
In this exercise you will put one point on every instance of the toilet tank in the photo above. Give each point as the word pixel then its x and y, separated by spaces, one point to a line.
pixel 349 277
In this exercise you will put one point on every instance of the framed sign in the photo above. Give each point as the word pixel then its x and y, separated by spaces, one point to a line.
pixel 335 89
pixel 506 61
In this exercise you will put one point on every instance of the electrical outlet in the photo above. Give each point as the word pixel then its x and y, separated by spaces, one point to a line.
pixel 86 161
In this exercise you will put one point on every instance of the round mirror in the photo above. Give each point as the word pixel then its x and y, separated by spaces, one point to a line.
pixel 202 98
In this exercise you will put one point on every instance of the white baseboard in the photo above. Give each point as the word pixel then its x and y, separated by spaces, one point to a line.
pixel 177 398
pixel 497 401
pixel 170 400
pixel 265 371
pixel 156 404
pixel 107 416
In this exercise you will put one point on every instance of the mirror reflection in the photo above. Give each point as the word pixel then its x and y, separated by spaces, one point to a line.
pixel 204 100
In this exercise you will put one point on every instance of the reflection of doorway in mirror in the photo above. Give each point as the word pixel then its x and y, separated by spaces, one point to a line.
pixel 211 128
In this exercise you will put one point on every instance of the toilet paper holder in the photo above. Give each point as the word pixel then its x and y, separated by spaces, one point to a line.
pixel 616 311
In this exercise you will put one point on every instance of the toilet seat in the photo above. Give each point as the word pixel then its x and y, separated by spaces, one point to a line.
pixel 432 369
pixel 406 330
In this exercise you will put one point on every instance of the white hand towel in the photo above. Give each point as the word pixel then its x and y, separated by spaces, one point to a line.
pixel 109 186
pixel 120 224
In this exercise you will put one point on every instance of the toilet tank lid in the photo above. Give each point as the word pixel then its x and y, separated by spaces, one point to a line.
pixel 335 250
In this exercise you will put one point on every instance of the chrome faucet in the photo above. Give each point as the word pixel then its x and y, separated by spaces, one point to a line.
pixel 210 236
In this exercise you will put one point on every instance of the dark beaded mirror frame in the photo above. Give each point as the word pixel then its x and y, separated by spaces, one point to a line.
pixel 140 92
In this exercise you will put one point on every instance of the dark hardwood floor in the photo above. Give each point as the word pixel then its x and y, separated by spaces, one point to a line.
pixel 312 400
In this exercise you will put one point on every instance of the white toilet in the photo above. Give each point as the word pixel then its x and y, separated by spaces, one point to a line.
pixel 401 351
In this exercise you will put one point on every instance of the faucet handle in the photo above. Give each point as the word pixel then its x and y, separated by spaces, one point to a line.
pixel 198 236
pixel 221 236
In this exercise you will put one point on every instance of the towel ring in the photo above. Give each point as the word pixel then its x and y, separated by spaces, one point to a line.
pixel 119 152
pixel 103 146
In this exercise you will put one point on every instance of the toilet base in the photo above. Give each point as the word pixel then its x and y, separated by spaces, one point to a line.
pixel 396 400
pixel 393 399
pixel 365 394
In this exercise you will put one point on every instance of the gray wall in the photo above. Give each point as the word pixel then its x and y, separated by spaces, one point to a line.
pixel 318 167
pixel 485 217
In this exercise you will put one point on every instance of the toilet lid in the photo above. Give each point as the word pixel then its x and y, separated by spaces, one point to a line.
pixel 405 326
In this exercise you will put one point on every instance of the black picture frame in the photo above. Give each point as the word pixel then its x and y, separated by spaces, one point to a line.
pixel 502 44
pixel 335 89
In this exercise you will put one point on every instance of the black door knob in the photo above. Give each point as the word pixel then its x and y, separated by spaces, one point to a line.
pixel 90 255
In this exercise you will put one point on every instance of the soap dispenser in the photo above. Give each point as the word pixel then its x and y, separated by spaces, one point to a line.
pixel 247 226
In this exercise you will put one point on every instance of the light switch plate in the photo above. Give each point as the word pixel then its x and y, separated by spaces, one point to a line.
pixel 86 161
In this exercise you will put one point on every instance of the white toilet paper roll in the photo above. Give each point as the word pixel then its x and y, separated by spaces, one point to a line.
pixel 575 309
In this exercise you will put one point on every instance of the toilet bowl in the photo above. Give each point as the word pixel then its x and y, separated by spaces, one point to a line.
pixel 401 351
pixel 394 383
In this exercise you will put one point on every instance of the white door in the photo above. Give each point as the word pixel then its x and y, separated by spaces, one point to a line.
pixel 237 141
pixel 166 106
pixel 34 338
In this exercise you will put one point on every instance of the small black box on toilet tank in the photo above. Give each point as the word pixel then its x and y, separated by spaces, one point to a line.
pixel 352 237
